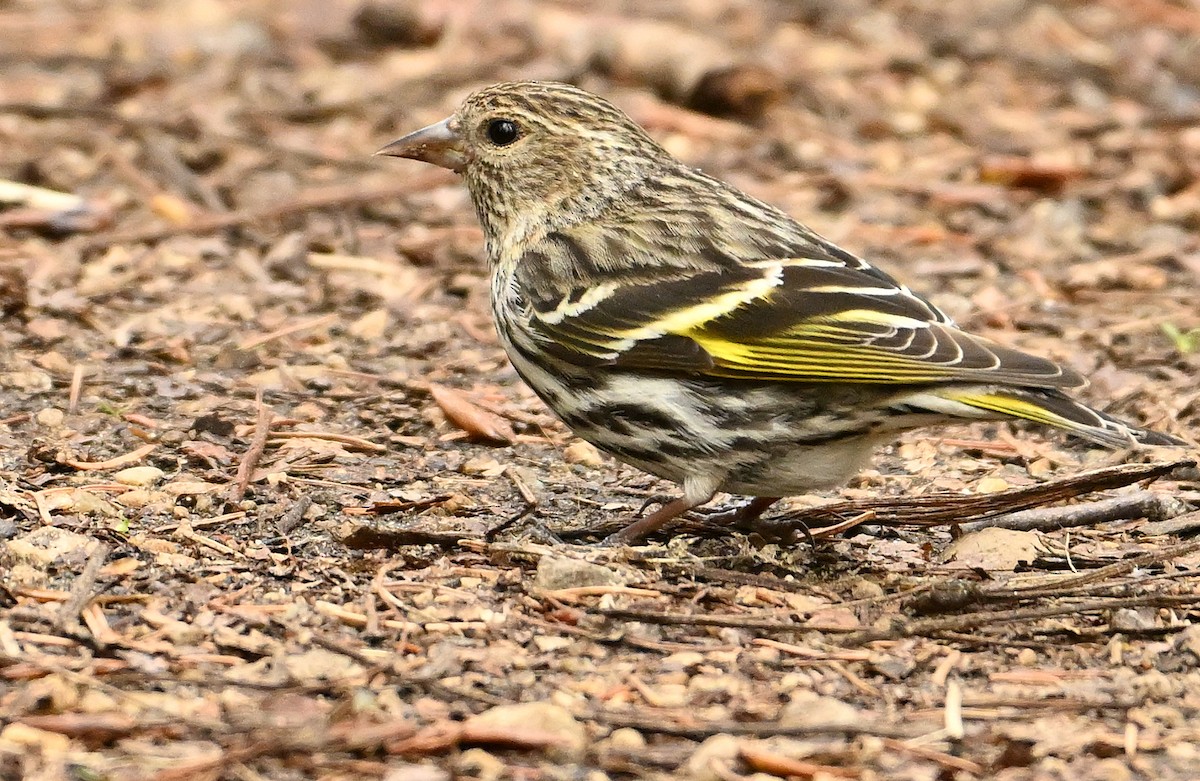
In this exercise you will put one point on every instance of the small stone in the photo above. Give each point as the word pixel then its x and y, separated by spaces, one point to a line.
pixel 682 660
pixel 668 695
pixel 35 741
pixel 556 572
pixel 1133 620
pixel 317 665
pixel 428 772
pixel 807 708
pixel 580 452
pixel 139 475
pixel 32 380
pixel 482 465
pixel 991 485
pixel 477 763
pixel 371 326
pixel 398 23
pixel 1039 468
pixel 719 750
pixel 744 91
pixel 48 545
pixel 993 549
pixel 50 417
pixel 539 717
pixel 865 589
pixel 548 643
pixel 626 739
pixel 1027 657
pixel 727 685
pixel 140 497
pixel 1110 769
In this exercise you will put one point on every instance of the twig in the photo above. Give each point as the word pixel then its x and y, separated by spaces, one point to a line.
pixel 185 531
pixel 758 729
pixel 162 154
pixel 1179 525
pixel 933 755
pixel 946 508
pixel 1143 504
pixel 953 596
pixel 245 471
pixel 371 538
pixel 76 389
pixel 522 487
pixel 738 622
pixel 825 532
pixel 926 627
pixel 257 341
pixel 350 441
pixel 131 457
pixel 765 761
pixel 294 515
pixel 1160 14
pixel 81 589
pixel 574 593
pixel 1071 585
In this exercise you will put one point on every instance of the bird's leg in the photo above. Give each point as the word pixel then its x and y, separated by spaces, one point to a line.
pixel 652 522
pixel 741 516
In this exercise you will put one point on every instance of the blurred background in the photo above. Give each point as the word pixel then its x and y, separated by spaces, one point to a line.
pixel 191 216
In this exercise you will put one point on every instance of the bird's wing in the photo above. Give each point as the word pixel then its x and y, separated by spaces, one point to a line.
pixel 795 319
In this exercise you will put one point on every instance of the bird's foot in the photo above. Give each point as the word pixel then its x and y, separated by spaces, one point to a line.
pixel 748 517
pixel 653 499
pixel 743 515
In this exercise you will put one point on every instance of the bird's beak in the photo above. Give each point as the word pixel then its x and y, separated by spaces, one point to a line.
pixel 439 144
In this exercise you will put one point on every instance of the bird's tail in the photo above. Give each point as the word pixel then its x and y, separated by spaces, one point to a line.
pixel 1045 406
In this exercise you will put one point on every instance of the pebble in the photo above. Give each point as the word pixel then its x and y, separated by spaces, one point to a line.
pixel 993 549
pixel 420 772
pixel 808 708
pixel 139 475
pixel 477 763
pixel 539 717
pixel 581 452
pixel 50 417
pixel 555 572
pixel 626 739
pixel 991 485
pixel 717 751
pixel 47 545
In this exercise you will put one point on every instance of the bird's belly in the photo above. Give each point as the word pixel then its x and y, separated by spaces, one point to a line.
pixel 788 471
pixel 746 438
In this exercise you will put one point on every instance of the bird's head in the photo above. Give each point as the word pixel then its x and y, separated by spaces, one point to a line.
pixel 536 155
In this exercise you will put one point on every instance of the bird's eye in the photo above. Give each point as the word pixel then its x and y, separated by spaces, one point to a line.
pixel 502 132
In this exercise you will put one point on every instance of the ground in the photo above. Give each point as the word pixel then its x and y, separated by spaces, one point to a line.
pixel 275 506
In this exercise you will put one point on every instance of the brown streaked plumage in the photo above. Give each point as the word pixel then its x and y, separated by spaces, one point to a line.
pixel 698 333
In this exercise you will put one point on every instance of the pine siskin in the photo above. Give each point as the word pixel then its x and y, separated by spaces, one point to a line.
pixel 699 334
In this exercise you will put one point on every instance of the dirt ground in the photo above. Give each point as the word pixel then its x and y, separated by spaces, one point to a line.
pixel 273 505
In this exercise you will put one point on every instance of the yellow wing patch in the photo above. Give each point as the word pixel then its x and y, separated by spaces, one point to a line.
pixel 687 319
pixel 1008 405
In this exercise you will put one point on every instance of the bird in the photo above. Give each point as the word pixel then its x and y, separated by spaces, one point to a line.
pixel 700 334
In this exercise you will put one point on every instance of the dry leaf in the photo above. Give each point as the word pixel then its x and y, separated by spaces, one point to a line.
pixel 469 417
